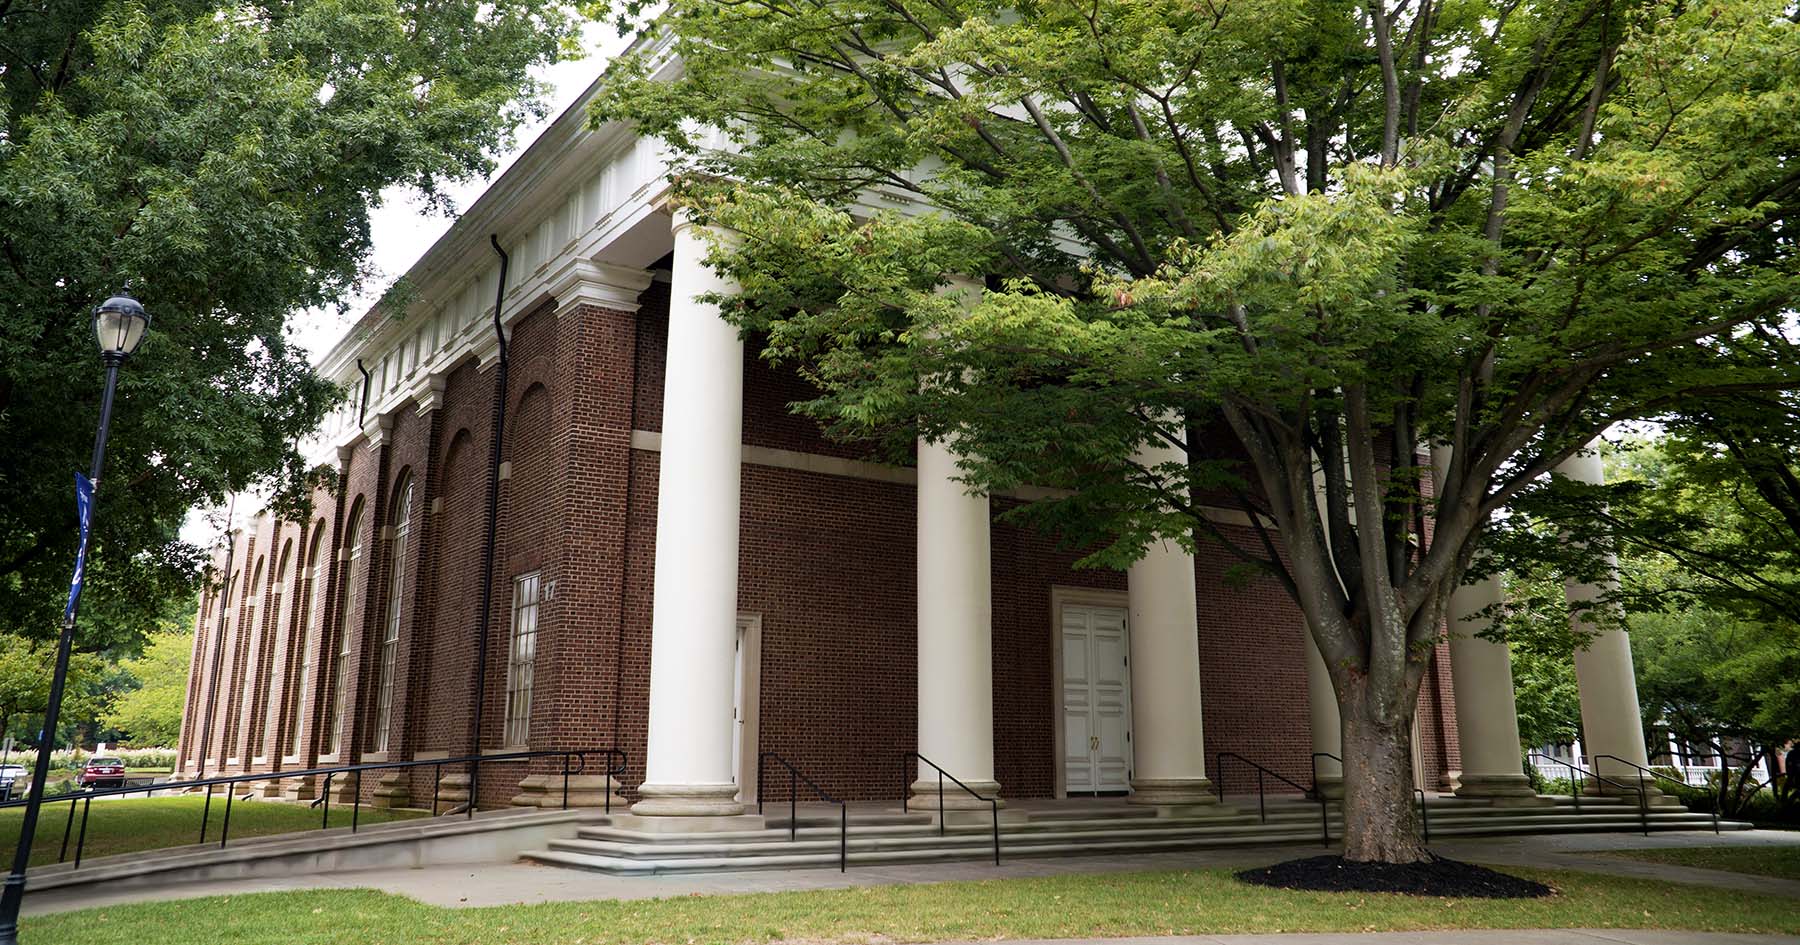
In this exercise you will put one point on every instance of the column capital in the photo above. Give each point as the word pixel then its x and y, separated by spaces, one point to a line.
pixel 428 393
pixel 377 429
pixel 581 281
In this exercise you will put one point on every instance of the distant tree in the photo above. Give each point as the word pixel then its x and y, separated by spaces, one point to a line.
pixel 25 686
pixel 220 160
pixel 150 714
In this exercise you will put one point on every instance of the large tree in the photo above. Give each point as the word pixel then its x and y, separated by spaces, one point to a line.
pixel 220 161
pixel 1300 240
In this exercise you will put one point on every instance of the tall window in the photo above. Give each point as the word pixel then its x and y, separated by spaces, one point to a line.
pixel 341 677
pixel 265 655
pixel 245 657
pixel 316 576
pixel 521 661
pixel 390 633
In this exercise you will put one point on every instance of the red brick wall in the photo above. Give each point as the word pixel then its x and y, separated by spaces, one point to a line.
pixel 826 561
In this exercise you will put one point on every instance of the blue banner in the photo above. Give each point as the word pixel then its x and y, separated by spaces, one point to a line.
pixel 84 509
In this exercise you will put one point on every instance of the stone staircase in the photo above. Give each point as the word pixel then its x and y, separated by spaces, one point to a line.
pixel 881 837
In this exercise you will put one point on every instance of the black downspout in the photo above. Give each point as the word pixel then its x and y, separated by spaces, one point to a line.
pixel 488 539
pixel 363 406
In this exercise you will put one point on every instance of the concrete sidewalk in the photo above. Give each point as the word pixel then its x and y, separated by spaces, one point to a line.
pixel 524 883
pixel 1500 936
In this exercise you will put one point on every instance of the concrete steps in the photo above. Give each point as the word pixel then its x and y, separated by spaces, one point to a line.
pixel 893 837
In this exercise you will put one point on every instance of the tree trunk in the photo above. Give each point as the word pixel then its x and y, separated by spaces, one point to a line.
pixel 1381 824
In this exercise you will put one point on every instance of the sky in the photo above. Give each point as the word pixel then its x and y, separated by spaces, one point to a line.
pixel 402 229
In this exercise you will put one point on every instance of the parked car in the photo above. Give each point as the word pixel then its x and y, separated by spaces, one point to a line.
pixel 103 772
pixel 14 779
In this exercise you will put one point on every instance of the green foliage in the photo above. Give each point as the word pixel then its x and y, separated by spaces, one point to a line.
pixel 151 713
pixel 25 682
pixel 220 159
pixel 1295 240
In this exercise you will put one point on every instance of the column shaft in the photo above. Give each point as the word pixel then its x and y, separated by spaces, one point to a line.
pixel 694 614
pixel 1168 742
pixel 1487 719
pixel 955 615
pixel 1610 720
pixel 1327 721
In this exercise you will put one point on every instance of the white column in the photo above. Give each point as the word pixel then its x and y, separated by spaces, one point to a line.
pixel 1487 717
pixel 1610 721
pixel 1168 744
pixel 687 764
pixel 956 652
pixel 1327 722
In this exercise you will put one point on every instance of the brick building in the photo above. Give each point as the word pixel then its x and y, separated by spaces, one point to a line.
pixel 686 571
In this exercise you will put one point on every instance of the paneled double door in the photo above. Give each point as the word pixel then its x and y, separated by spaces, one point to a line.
pixel 1096 700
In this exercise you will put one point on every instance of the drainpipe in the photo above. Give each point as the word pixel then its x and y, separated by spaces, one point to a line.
pixel 488 539
pixel 363 406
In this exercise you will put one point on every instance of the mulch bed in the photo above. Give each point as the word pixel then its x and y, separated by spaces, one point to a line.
pixel 1434 877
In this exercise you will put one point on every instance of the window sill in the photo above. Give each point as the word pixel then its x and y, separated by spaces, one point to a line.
pixel 260 760
pixel 324 760
pixel 290 759
pixel 230 761
pixel 508 750
pixel 374 757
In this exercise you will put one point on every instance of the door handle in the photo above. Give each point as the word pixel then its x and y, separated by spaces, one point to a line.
pixel 1093 743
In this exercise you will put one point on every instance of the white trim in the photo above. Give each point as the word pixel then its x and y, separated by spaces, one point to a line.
pixel 650 441
pixel 750 732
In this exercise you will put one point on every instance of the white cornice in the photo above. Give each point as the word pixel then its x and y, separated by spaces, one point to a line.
pixel 376 430
pixel 428 394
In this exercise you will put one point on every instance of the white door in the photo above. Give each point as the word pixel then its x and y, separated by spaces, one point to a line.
pixel 1096 687
pixel 737 714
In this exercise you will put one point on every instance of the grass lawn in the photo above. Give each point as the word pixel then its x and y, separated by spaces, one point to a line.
pixel 1780 862
pixel 1160 903
pixel 122 826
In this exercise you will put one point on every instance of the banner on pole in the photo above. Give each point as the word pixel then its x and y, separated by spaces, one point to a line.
pixel 84 510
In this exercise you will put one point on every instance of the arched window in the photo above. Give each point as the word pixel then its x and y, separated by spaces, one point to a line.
pixel 244 658
pixel 317 574
pixel 264 692
pixel 390 631
pixel 353 534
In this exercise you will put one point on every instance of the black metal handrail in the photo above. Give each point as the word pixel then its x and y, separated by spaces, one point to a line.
pixel 1262 803
pixel 84 799
pixel 906 789
pixel 1578 781
pixel 1424 812
pixel 794 780
pixel 1595 761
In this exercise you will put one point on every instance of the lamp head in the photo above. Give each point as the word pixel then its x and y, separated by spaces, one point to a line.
pixel 119 326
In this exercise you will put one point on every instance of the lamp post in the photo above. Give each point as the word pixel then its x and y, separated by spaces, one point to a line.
pixel 119 325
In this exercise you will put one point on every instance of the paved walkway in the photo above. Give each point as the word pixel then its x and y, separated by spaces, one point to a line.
pixel 1448 937
pixel 523 883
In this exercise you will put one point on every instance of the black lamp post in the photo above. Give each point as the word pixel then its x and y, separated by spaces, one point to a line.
pixel 119 325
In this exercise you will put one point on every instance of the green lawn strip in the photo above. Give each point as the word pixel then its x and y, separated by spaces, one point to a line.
pixel 131 824
pixel 1159 903
pixel 1782 862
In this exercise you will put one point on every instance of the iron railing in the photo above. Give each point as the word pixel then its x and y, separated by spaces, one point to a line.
pixel 574 762
pixel 906 789
pixel 1595 761
pixel 1424 811
pixel 1578 777
pixel 794 780
pixel 1262 802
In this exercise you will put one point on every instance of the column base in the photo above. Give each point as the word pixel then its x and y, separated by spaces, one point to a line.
pixel 302 789
pixel 1502 790
pixel 687 800
pixel 1329 787
pixel 546 790
pixel 924 796
pixel 392 790
pixel 1172 795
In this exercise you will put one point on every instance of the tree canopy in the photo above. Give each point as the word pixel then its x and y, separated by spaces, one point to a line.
pixel 220 161
pixel 1301 241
